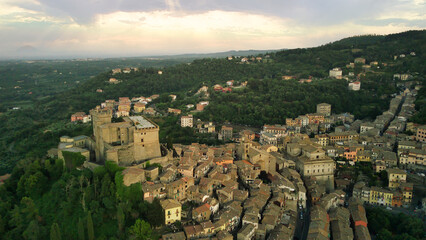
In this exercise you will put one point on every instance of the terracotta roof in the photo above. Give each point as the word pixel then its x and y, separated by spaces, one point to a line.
pixel 203 208
pixel 247 162
pixel 169 203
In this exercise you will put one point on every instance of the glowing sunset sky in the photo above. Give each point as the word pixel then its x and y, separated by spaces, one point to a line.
pixel 92 28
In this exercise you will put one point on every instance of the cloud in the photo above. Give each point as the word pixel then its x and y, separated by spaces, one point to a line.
pixel 415 23
pixel 135 27
pixel 159 31
pixel 307 12
pixel 312 12
pixel 173 5
pixel 84 11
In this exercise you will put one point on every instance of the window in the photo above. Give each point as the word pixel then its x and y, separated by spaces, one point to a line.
pixel 141 139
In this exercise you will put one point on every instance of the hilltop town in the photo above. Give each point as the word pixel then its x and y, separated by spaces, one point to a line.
pixel 309 178
pixel 317 143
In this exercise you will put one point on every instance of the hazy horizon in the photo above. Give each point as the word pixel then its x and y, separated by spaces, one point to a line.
pixel 51 56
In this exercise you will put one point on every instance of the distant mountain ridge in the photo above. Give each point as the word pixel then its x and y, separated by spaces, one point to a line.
pixel 31 53
pixel 26 49
pixel 218 54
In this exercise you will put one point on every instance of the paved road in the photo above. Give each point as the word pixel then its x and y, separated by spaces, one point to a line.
pixel 299 228
pixel 396 114
pixel 302 226
pixel 306 217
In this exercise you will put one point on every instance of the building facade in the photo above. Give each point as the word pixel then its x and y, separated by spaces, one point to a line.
pixel 187 121
pixel 396 177
pixel 421 134
pixel 129 142
pixel 336 73
pixel 226 133
pixel 172 210
pixel 314 162
pixel 324 108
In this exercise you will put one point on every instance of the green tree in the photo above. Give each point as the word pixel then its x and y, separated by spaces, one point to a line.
pixel 28 209
pixel 169 141
pixel 55 233
pixel 384 177
pixel 410 225
pixel 404 236
pixel 155 214
pixel 73 159
pixel 32 231
pixel 90 229
pixel 2 225
pixel 384 234
pixel 378 219
pixel 141 230
pixel 55 170
pixel 112 168
pixel 80 229
pixel 121 219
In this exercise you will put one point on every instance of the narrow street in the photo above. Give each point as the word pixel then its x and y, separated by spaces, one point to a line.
pixel 302 226
pixel 396 114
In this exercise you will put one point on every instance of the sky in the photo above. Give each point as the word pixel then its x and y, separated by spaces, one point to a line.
pixel 121 28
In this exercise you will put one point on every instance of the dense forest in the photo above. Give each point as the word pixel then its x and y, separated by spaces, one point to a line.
pixel 42 199
pixel 24 81
pixel 273 100
pixel 388 226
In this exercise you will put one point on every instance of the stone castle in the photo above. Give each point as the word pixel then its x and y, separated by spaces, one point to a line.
pixel 127 143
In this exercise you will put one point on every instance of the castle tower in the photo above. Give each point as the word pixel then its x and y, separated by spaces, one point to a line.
pixel 99 117
pixel 132 141
pixel 145 139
